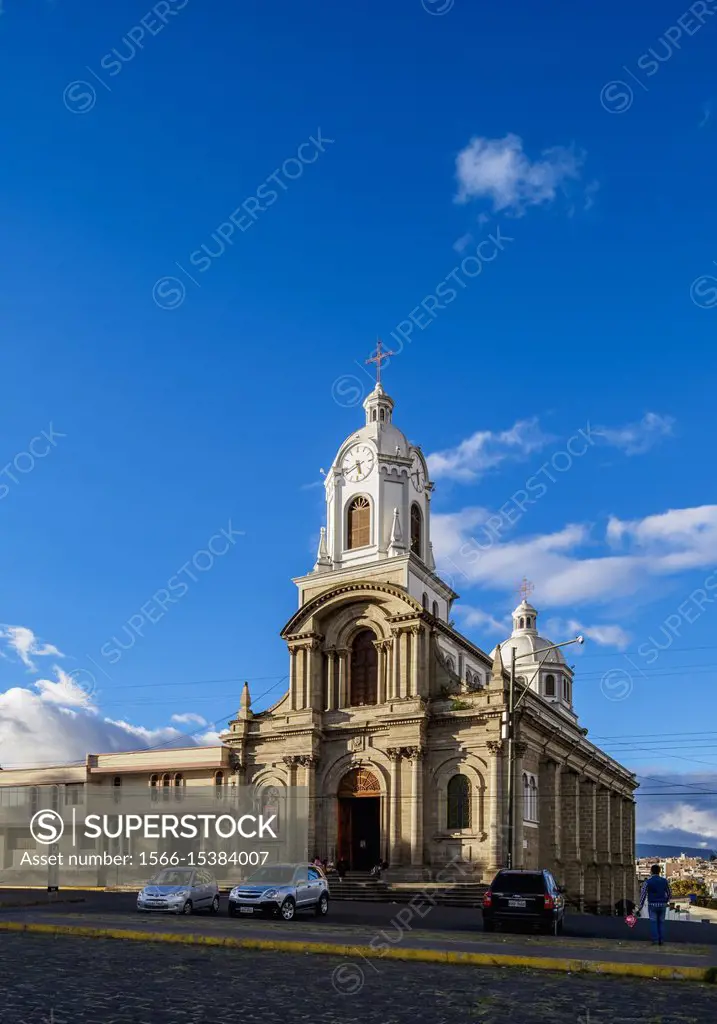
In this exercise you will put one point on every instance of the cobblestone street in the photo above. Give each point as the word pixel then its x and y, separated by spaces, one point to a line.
pixel 64 980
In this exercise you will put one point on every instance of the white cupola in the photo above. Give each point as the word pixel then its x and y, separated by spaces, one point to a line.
pixel 547 673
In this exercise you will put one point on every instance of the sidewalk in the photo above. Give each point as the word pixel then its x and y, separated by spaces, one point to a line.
pixel 602 956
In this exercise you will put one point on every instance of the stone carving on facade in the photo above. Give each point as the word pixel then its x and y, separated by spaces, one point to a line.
pixel 495 747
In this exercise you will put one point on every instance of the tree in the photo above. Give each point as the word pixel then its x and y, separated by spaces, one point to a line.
pixel 682 887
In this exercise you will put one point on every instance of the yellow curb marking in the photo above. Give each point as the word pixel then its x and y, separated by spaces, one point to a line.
pixel 335 949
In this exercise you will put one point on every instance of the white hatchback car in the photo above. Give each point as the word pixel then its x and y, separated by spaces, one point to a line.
pixel 180 891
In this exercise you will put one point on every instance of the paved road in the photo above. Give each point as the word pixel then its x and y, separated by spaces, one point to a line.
pixel 438 919
pixel 58 980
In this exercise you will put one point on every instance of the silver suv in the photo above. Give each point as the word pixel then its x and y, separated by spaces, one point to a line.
pixel 180 891
pixel 281 890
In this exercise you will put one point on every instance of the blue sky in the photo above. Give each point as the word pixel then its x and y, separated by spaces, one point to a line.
pixel 401 137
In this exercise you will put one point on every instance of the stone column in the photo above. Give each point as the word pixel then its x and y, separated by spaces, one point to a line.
pixel 291 761
pixel 413 683
pixel 293 694
pixel 550 817
pixel 343 656
pixel 314 675
pixel 309 763
pixel 330 680
pixel 570 812
pixel 415 755
pixel 394 859
pixel 396 680
pixel 380 646
pixel 628 845
pixel 519 809
pixel 604 850
pixel 301 677
pixel 405 665
pixel 588 841
pixel 496 851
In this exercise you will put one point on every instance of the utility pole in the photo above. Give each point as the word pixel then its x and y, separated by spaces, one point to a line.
pixel 509 735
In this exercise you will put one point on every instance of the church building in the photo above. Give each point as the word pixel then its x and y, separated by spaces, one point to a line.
pixel 395 721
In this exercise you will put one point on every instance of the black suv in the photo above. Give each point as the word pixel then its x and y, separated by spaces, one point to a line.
pixel 533 897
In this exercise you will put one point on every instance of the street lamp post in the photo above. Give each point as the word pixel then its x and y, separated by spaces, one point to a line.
pixel 509 734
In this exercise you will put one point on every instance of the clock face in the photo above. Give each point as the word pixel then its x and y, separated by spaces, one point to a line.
pixel 358 463
pixel 417 474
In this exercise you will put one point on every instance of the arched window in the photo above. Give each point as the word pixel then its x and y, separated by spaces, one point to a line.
pixel 450 664
pixel 469 678
pixel 364 669
pixel 166 783
pixel 154 795
pixel 219 784
pixel 526 798
pixel 522 623
pixel 373 414
pixel 459 803
pixel 550 686
pixel 383 415
pixel 179 786
pixel 533 799
pixel 424 601
pixel 416 529
pixel 435 608
pixel 116 789
pixel 566 689
pixel 359 523
pixel 527 621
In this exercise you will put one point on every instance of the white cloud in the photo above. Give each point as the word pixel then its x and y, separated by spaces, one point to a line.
pixel 189 718
pixel 26 645
pixel 603 634
pixel 637 438
pixel 476 618
pixel 55 722
pixel 562 563
pixel 64 691
pixel 499 170
pixel 486 449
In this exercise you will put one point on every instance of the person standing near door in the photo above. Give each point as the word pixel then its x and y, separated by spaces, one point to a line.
pixel 656 890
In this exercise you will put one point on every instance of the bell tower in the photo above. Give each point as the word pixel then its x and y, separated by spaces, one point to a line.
pixel 378 509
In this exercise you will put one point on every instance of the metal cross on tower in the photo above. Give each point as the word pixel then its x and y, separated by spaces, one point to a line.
pixel 381 354
pixel 525 589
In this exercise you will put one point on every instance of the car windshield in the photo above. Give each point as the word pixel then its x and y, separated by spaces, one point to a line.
pixel 273 874
pixel 172 878
pixel 512 881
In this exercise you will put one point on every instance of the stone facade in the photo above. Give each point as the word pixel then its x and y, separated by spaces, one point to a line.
pixel 394 721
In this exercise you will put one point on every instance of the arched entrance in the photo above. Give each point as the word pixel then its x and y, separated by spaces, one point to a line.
pixel 359 836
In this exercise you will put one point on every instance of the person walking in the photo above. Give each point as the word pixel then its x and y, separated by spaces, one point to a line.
pixel 656 890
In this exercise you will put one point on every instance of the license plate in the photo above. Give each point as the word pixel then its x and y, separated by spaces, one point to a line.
pixel 246 910
pixel 516 903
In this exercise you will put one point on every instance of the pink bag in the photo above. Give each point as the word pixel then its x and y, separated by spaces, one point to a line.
pixel 630 920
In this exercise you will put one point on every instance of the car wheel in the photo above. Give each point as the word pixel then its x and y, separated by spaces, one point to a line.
pixel 215 905
pixel 187 908
pixel 322 907
pixel 288 909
